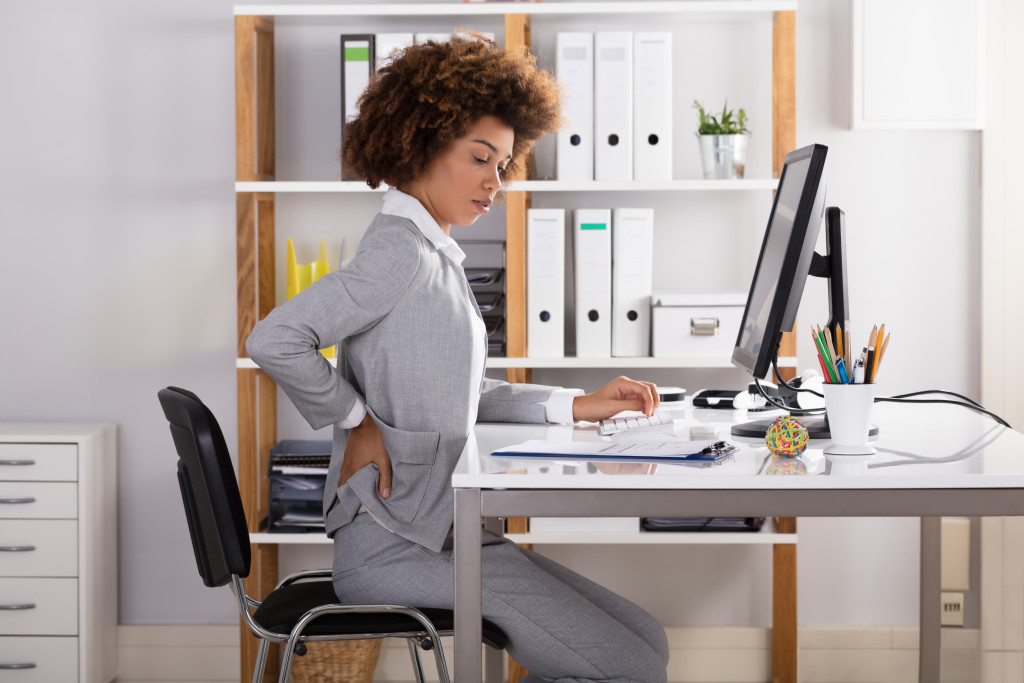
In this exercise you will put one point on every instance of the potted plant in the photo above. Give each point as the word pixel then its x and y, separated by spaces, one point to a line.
pixel 723 142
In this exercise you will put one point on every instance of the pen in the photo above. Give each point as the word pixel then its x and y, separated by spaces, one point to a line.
pixel 858 372
pixel 841 366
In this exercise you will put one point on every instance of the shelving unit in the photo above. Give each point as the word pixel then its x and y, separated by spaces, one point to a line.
pixel 530 186
pixel 257 187
pixel 586 363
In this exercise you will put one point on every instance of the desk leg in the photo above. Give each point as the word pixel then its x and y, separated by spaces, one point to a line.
pixel 784 644
pixel 931 599
pixel 494 660
pixel 468 587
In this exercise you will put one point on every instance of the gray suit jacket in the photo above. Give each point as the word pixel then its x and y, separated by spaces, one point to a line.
pixel 404 312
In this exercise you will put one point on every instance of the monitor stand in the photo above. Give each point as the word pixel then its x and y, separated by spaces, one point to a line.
pixel 817 428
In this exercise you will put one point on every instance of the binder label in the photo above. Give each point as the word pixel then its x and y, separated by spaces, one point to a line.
pixel 652 78
pixel 631 251
pixel 545 248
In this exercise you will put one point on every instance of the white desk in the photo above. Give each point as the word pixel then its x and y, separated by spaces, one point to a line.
pixel 932 461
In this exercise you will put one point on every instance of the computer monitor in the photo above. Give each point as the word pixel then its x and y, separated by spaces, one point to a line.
pixel 787 258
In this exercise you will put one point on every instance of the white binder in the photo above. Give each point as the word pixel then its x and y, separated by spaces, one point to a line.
pixel 545 283
pixel 592 247
pixel 613 105
pixel 574 67
pixel 387 43
pixel 652 106
pixel 632 254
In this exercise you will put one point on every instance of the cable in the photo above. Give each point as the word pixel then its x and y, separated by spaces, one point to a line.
pixel 792 411
pixel 968 403
pixel 938 391
pixel 977 408
pixel 790 386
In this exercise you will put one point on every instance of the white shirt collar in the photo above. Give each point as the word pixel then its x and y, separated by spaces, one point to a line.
pixel 398 203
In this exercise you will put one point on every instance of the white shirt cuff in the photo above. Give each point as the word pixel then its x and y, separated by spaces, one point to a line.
pixel 356 416
pixel 558 406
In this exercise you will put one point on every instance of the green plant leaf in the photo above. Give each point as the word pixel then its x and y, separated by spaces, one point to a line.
pixel 709 124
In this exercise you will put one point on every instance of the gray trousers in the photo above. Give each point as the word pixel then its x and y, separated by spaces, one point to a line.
pixel 561 626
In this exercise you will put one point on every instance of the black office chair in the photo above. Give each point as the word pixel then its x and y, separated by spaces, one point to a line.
pixel 303 608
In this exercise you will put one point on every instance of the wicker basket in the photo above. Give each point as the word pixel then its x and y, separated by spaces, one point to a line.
pixel 344 661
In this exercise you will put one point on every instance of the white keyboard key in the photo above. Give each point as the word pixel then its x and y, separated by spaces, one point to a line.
pixel 621 424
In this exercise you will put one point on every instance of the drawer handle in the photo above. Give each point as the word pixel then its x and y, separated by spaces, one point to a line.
pixel 703 327
pixel 26 665
pixel 16 548
pixel 17 462
pixel 15 608
pixel 16 501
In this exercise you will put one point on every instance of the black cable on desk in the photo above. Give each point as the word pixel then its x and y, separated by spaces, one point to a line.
pixel 965 402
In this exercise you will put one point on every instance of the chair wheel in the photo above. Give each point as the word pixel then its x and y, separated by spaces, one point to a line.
pixel 427 644
pixel 301 649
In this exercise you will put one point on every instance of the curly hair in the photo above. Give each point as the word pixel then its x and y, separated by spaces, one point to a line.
pixel 432 92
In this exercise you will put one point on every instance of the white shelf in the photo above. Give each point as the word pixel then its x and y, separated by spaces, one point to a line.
pixel 321 186
pixel 585 363
pixel 694 185
pixel 309 186
pixel 290 539
pixel 766 536
pixel 737 7
pixel 647 362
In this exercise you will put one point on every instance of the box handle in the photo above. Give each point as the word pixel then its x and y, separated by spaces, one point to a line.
pixel 703 327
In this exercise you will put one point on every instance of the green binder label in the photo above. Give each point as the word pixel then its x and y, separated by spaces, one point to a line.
pixel 357 54
pixel 593 226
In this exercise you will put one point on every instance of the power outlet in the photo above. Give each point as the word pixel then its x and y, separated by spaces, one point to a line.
pixel 952 609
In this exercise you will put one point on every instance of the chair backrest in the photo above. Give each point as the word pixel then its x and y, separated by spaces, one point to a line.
pixel 213 505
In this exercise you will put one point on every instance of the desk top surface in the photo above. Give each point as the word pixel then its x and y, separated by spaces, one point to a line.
pixel 932 446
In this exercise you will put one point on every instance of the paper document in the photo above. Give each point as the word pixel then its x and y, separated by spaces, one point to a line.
pixel 700 451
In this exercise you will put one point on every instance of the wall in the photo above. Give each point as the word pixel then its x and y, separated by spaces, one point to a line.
pixel 117 274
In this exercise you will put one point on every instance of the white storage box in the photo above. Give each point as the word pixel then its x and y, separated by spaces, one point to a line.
pixel 702 325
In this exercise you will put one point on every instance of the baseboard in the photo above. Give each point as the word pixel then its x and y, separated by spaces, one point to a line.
pixel 209 654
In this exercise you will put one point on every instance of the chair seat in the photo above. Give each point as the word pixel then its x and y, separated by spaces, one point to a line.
pixel 283 608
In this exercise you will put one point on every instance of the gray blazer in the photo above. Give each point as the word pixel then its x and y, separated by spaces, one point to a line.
pixel 403 312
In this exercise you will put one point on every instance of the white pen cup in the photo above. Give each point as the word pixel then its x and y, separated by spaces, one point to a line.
pixel 848 407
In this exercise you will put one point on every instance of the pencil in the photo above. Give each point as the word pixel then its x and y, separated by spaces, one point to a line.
pixel 849 345
pixel 831 347
pixel 878 350
pixel 839 344
pixel 830 359
pixel 881 353
pixel 822 355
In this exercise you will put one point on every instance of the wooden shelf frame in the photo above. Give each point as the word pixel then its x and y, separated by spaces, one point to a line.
pixel 255 192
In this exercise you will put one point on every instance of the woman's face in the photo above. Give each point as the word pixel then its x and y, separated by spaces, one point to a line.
pixel 459 185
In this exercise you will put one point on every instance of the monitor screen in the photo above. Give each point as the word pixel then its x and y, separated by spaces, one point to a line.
pixel 785 260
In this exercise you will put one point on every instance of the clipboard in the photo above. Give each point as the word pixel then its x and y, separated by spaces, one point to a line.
pixel 697 452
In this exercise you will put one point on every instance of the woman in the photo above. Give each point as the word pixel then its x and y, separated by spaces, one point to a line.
pixel 442 125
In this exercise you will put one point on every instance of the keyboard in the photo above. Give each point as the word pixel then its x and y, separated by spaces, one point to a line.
pixel 617 425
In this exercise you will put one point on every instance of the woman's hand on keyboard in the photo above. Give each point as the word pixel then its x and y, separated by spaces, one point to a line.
pixel 622 393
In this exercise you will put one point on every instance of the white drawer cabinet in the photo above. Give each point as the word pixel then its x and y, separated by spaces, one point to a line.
pixel 58 552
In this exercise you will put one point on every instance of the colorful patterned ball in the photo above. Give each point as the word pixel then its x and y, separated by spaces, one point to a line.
pixel 787 437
